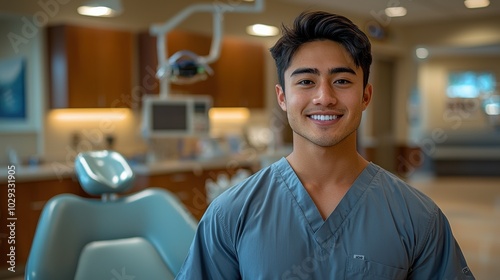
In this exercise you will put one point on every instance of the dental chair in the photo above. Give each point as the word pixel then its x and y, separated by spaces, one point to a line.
pixel 144 235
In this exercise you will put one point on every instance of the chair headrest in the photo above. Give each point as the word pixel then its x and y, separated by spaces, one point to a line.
pixel 103 172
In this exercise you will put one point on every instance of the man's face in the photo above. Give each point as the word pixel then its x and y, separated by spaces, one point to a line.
pixel 324 97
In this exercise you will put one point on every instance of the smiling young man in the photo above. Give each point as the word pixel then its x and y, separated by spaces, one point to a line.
pixel 324 100
pixel 324 212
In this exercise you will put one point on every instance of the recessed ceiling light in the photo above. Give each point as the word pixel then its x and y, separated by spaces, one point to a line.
pixel 422 53
pixel 395 11
pixel 101 8
pixel 262 30
pixel 473 4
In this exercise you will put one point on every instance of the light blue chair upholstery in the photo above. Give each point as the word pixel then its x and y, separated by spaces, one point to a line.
pixel 145 235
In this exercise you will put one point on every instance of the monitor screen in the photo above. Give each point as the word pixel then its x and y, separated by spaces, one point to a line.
pixel 176 116
pixel 169 117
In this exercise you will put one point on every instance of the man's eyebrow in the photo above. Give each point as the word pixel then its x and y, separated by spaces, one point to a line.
pixel 315 71
pixel 342 70
pixel 305 71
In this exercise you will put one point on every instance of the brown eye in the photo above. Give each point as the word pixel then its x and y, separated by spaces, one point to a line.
pixel 342 82
pixel 305 82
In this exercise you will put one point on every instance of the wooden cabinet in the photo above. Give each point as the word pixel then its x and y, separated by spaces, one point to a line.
pixel 188 186
pixel 29 201
pixel 239 73
pixel 89 67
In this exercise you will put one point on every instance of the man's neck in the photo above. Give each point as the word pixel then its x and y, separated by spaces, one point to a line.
pixel 337 165
pixel 327 173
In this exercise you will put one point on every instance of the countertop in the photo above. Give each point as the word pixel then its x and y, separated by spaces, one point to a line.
pixel 61 170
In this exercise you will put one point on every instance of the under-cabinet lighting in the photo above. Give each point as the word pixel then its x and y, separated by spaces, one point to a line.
pixel 474 4
pixel 232 114
pixel 75 115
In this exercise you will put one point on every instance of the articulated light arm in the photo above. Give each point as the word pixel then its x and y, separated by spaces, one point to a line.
pixel 217 9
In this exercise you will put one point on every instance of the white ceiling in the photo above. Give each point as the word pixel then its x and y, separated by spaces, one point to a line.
pixel 418 11
pixel 139 15
pixel 145 12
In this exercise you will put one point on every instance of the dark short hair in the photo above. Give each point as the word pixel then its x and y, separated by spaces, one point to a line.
pixel 319 25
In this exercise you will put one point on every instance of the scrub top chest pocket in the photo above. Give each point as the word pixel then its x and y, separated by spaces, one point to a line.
pixel 358 268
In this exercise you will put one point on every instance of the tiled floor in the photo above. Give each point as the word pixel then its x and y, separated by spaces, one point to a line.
pixel 472 206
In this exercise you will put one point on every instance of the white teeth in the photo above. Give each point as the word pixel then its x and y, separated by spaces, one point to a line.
pixel 324 117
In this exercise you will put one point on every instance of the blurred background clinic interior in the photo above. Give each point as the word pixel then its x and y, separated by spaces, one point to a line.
pixel 186 95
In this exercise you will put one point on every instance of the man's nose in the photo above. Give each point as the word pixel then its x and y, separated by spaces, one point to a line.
pixel 325 95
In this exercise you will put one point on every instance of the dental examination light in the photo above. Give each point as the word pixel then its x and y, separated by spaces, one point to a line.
pixel 184 66
pixel 187 67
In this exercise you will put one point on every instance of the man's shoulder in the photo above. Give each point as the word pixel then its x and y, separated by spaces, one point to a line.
pixel 398 190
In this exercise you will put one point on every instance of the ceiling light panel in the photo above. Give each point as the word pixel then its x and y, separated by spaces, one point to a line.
pixel 474 4
pixel 101 8
pixel 262 30
pixel 395 11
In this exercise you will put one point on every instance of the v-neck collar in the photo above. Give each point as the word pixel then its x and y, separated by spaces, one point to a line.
pixel 325 229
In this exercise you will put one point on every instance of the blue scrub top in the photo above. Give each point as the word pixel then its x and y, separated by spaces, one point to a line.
pixel 268 227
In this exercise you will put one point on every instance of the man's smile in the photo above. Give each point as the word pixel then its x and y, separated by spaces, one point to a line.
pixel 324 117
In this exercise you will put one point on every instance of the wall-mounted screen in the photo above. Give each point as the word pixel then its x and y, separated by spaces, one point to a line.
pixel 169 117
pixel 470 84
pixel 176 116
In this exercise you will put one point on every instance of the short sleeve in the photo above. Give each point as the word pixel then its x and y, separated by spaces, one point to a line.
pixel 212 254
pixel 440 256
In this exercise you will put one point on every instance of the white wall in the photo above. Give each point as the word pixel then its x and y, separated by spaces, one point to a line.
pixel 22 39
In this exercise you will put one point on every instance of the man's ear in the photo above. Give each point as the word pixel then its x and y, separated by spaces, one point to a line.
pixel 280 96
pixel 367 95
